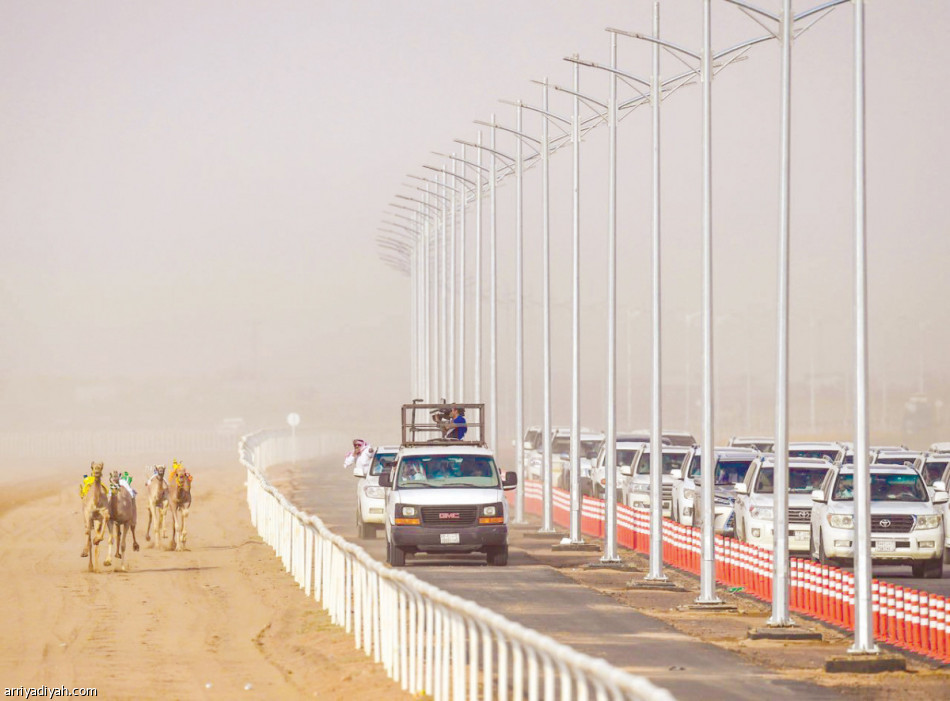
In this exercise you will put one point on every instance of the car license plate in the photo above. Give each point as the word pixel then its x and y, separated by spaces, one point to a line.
pixel 799 535
pixel 445 538
pixel 885 546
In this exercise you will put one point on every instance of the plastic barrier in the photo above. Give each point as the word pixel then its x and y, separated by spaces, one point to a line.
pixel 428 640
pixel 913 620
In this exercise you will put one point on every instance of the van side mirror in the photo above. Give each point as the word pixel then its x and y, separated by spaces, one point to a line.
pixel 626 470
pixel 941 497
pixel 741 488
pixel 819 496
pixel 386 479
pixel 358 472
pixel 676 474
pixel 527 445
pixel 510 480
pixel 939 486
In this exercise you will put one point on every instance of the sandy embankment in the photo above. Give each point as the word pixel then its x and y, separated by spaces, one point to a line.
pixel 220 620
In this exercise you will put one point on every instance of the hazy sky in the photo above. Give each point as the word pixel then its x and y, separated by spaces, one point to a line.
pixel 193 189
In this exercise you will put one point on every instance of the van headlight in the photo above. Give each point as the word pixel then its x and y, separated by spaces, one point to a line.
pixel 489 510
pixel 492 514
pixel 405 510
pixel 841 520
pixel 689 494
pixel 374 492
pixel 927 521
pixel 761 513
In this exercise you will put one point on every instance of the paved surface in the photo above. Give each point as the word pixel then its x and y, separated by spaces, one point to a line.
pixel 541 598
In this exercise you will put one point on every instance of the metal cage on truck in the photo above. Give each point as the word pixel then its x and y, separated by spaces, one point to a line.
pixel 428 424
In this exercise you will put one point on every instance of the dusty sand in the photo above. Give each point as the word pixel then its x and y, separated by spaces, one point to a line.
pixel 220 620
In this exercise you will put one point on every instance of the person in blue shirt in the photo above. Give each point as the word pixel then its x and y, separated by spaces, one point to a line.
pixel 459 427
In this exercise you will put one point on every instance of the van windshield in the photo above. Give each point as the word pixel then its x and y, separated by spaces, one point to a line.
pixel 447 471
pixel 382 462
pixel 671 461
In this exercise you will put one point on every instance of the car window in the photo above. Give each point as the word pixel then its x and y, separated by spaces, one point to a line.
pixel 896 460
pixel 671 461
pixel 824 453
pixel 589 449
pixel 382 462
pixel 695 466
pixel 933 471
pixel 731 471
pixel 534 438
pixel 447 471
pixel 884 487
pixel 801 480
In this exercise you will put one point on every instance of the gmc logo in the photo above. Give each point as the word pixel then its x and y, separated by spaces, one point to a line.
pixel 448 516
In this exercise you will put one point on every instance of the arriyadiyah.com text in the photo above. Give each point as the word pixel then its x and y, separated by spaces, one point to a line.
pixel 48 692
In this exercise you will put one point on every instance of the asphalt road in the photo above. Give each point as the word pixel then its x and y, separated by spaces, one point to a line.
pixel 541 598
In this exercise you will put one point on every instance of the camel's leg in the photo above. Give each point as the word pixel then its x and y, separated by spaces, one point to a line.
pixel 113 544
pixel 124 528
pixel 164 519
pixel 174 540
pixel 92 552
pixel 148 528
pixel 184 530
pixel 135 517
pixel 88 540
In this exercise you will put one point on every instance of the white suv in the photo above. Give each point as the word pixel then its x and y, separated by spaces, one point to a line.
pixel 755 500
pixel 627 446
pixel 636 485
pixel 732 464
pixel 370 497
pixel 907 526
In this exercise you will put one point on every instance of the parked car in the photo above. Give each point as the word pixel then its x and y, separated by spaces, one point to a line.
pixel 873 451
pixel 732 463
pixel 590 444
pixel 907 526
pixel 761 444
pixel 370 497
pixel 933 467
pixel 826 450
pixel 900 456
pixel 755 501
pixel 626 447
pixel 636 483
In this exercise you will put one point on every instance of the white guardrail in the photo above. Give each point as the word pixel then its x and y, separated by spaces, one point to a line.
pixel 428 640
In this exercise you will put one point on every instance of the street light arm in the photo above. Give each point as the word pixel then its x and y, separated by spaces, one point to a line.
pixel 418 201
pixel 662 42
pixel 757 10
pixel 420 189
pixel 623 75
pixel 461 160
pixel 406 233
pixel 742 46
pixel 515 132
pixel 582 98
pixel 550 115
pixel 485 148
pixel 820 8
pixel 459 177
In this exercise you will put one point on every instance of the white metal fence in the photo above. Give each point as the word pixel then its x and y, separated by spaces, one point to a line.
pixel 428 640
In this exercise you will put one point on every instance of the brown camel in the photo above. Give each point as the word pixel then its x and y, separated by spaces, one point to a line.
pixel 95 513
pixel 157 503
pixel 122 517
pixel 179 501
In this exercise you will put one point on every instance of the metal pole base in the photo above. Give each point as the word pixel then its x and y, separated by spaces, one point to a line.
pixel 789 632
pixel 720 607
pixel 653 585
pixel 567 545
pixel 866 663
pixel 715 601
pixel 542 534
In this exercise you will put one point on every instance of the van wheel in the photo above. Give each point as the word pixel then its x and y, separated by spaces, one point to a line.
pixel 822 558
pixel 946 556
pixel 395 555
pixel 933 569
pixel 364 531
pixel 498 557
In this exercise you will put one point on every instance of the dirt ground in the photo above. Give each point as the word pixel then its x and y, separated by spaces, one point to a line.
pixel 221 619
pixel 802 661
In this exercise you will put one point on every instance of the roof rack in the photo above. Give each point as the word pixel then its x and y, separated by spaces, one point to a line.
pixel 431 424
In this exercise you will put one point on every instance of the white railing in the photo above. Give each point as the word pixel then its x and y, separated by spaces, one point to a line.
pixel 428 640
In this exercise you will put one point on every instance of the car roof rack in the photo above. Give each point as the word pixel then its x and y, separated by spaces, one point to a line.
pixel 425 425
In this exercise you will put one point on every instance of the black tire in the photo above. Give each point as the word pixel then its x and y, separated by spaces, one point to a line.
pixel 364 531
pixel 822 558
pixel 395 555
pixel 919 568
pixel 498 556
pixel 933 569
pixel 946 556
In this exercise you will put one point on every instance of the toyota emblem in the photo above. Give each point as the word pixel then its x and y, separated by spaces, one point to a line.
pixel 884 523
pixel 803 514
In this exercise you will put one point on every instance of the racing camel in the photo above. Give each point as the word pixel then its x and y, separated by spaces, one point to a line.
pixel 95 514
pixel 179 501
pixel 157 488
pixel 122 517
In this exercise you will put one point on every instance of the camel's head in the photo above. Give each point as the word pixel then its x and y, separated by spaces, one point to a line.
pixel 160 471
pixel 183 478
pixel 96 469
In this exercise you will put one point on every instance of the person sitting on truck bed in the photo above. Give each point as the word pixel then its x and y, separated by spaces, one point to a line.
pixel 458 427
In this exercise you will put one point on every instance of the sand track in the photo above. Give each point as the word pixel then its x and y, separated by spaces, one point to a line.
pixel 222 613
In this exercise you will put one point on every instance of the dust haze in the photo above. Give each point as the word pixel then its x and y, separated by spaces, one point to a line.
pixel 190 195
